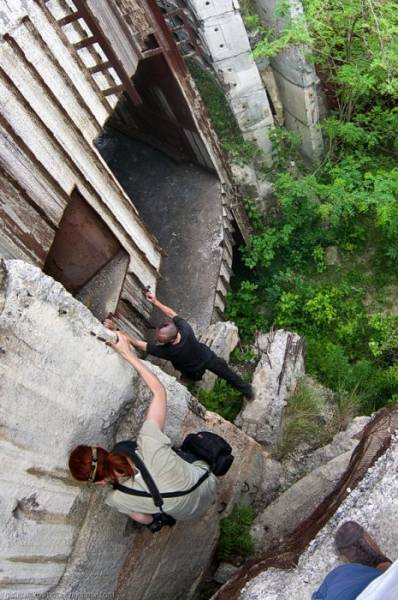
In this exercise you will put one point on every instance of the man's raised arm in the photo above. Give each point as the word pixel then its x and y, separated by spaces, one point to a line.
pixel 166 310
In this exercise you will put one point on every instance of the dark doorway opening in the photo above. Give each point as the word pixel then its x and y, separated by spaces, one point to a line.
pixel 87 259
pixel 164 119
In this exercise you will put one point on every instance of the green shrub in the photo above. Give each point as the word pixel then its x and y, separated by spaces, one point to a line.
pixel 222 399
pixel 235 539
pixel 303 419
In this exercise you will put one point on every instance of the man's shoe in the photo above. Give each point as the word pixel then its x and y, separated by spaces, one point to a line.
pixel 357 546
pixel 250 395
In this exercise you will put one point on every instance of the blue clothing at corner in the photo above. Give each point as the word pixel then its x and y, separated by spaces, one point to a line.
pixel 346 582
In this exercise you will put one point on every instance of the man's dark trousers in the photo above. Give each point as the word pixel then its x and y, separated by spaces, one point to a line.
pixel 220 367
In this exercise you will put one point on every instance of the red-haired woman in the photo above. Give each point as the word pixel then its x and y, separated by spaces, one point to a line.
pixel 170 472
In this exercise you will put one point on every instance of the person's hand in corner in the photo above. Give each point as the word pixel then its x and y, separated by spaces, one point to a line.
pixel 122 346
pixel 150 296
pixel 109 324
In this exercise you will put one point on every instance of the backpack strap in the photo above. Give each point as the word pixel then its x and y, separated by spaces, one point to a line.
pixel 133 492
pixel 129 449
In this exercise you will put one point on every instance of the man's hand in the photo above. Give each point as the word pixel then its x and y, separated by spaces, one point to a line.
pixel 122 345
pixel 109 324
pixel 166 310
pixel 150 296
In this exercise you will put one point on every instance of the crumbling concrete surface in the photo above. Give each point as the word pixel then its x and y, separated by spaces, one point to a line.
pixel 374 504
pixel 280 366
pixel 61 386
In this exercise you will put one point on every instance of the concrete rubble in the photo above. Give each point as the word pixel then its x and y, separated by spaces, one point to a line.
pixel 63 386
pixel 373 503
pixel 276 375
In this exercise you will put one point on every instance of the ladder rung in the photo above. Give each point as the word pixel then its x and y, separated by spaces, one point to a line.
pixel 69 19
pixel 100 67
pixel 88 41
pixel 173 13
pixel 113 90
pixel 177 28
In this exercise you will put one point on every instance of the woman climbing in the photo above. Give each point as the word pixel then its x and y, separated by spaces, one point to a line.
pixel 168 470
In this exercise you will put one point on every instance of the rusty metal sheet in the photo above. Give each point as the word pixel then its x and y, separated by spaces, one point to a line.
pixel 81 247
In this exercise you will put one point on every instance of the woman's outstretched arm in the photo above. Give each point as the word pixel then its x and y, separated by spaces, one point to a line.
pixel 158 406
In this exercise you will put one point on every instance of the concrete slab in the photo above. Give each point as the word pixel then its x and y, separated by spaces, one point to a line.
pixel 181 203
pixel 239 75
pixel 224 36
pixel 300 102
pixel 203 9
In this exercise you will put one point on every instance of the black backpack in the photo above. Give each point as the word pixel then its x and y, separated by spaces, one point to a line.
pixel 211 448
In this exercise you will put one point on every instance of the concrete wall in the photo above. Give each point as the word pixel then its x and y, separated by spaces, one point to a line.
pixel 223 34
pixel 296 80
pixel 62 386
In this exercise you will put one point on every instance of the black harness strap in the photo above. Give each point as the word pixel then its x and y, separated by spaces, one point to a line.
pixel 128 448
pixel 132 492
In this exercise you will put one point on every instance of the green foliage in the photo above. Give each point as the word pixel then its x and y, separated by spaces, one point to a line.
pixel 235 537
pixel 252 212
pixel 304 417
pixel 384 334
pixel 221 116
pixel 349 202
pixel 354 44
pixel 222 399
pixel 241 307
pixel 244 354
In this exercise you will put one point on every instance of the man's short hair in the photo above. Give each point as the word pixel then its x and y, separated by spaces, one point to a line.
pixel 166 333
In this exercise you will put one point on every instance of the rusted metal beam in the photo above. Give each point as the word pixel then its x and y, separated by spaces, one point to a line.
pixel 165 38
pixel 108 50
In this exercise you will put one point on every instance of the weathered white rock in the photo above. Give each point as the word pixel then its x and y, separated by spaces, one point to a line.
pixel 332 257
pixel 373 503
pixel 61 386
pixel 224 572
pixel 280 366
pixel 302 462
pixel 291 508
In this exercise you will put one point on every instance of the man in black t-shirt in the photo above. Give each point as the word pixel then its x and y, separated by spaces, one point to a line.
pixel 177 343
